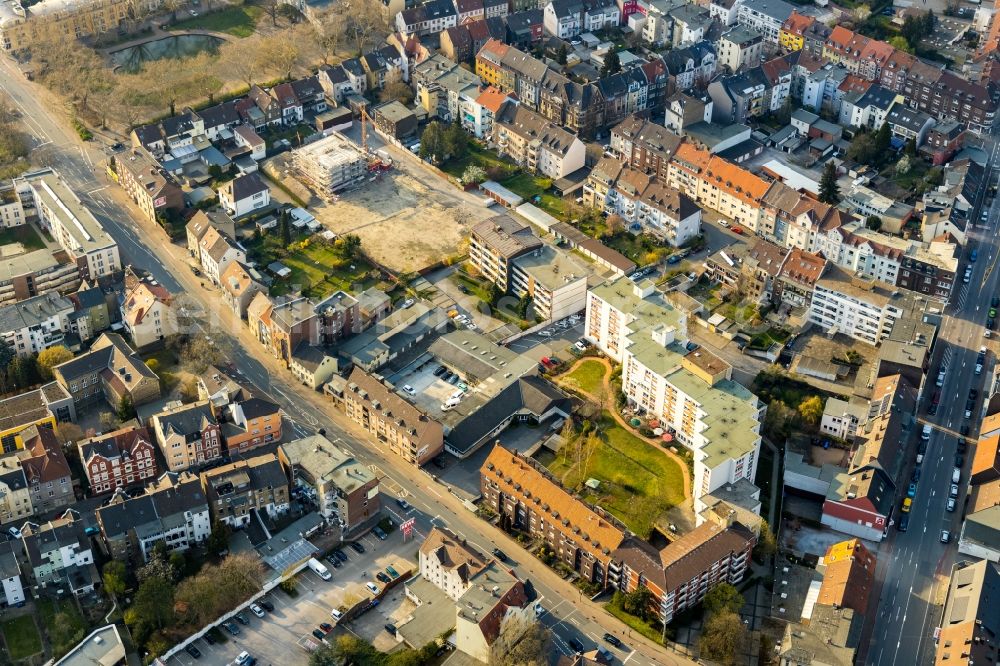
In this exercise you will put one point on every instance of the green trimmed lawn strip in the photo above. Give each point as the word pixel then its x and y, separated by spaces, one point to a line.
pixel 24 234
pixel 64 624
pixel 236 21
pixel 21 636
pixel 588 377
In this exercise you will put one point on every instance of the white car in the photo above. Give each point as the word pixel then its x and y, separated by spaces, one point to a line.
pixel 14 532
pixel 336 614
pixel 242 658
pixel 579 345
pixel 407 303
pixel 409 389
pixel 945 536
pixel 256 610
pixel 951 504
pixel 471 326
pixel 953 491
pixel 461 318
pixel 372 587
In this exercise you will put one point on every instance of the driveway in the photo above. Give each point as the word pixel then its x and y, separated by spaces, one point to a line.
pixel 551 340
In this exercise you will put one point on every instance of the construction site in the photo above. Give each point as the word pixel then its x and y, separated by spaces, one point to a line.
pixel 336 163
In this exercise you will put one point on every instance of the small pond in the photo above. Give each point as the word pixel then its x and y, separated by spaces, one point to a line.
pixel 132 58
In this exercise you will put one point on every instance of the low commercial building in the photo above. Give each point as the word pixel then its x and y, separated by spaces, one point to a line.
pixel 119 459
pixel 255 484
pixel 395 120
pixel 332 163
pixel 345 491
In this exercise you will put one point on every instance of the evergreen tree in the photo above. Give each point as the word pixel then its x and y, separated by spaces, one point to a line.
pixel 562 55
pixel 883 139
pixel 612 64
pixel 285 228
pixel 829 192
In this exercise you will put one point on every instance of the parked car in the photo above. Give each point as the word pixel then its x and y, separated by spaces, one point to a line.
pixel 372 587
pixel 193 651
pixel 911 492
pixel 256 610
pixel 231 628
pixel 380 533
pixel 959 460
pixel 392 572
pixel 945 536
pixel 208 637
pixel 391 628
pixel 358 548
pixel 951 504
pixel 403 504
pixel 575 644
pixel 341 555
pixel 499 554
pixel 326 626
pixel 612 639
pixel 382 577
pixel 242 619
pixel 268 606
pixel 953 490
pixel 904 522
pixel 318 633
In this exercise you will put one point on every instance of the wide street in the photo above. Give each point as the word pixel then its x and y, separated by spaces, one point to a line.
pixel 80 164
pixel 913 566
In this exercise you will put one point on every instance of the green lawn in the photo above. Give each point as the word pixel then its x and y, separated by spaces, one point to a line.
pixel 477 156
pixel 318 269
pixel 24 234
pixel 21 636
pixel 63 623
pixel 639 482
pixel 588 377
pixel 634 622
pixel 773 335
pixel 530 187
pixel 236 21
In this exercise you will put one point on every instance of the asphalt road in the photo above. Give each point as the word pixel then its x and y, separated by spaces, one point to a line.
pixel 58 146
pixel 914 565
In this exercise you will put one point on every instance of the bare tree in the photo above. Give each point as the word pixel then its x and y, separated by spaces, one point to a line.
pixel 241 57
pixel 271 8
pixel 365 21
pixel 328 34
pixel 281 54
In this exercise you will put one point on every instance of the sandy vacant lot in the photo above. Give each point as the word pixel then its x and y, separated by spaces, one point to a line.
pixel 403 224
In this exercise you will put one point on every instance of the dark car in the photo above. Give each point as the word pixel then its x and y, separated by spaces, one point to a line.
pixel 382 577
pixel 995 301
pixel 612 639
pixel 961 446
pixel 904 522
pixel 964 429
pixel 332 559
pixel 341 555
pixel 242 619
pixel 326 626
pixel 208 637
pixel 499 554
pixel 391 628
pixel 916 474
pixel 318 633
pixel 268 606
pixel 231 628
pixel 440 370
pixel 959 460
pixel 380 533
pixel 462 288
pixel 403 504
pixel 575 644
pixel 358 548
pixel 973 393
pixel 193 651
pixel 932 410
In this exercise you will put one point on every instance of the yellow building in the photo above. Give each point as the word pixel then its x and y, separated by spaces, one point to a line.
pixel 75 19
pixel 791 37
pixel 43 407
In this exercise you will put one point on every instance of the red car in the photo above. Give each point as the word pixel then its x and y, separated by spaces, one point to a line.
pixel 326 627
pixel 737 230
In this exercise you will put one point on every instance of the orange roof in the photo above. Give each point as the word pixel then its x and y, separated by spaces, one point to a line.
pixel 492 99
pixel 854 83
pixel 803 267
pixel 984 496
pixel 877 51
pixel 986 462
pixel 797 23
pixel 839 38
pixel 736 180
pixel 991 423
pixel 849 575
pixel 690 158
pixel 562 511
pixel 495 47
pixel 992 41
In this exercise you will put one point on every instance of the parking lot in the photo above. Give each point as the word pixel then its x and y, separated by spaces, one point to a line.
pixel 551 340
pixel 276 638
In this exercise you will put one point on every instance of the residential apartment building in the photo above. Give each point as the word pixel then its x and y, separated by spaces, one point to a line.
pixel 250 424
pixel 240 283
pixel 692 392
pixel 554 280
pixel 216 251
pixel 10 575
pixel 645 145
pixel 21 25
pixel 971 618
pixel 59 553
pixel 529 500
pixel 188 435
pixel 715 183
pixel 537 144
pixel 449 562
pixel 332 163
pixel 740 48
pixel 495 243
pixel 682 573
pixel 244 195
pixel 118 459
pixel 255 484
pixel 345 491
pixel 147 310
pixel 46 471
pixel 147 183
pixel 407 431
pixel 429 18
pixel 110 371
pixel 36 323
pixel 44 195
pixel 173 511
pixel 848 569
pixel 764 16
pixel 15 496
pixel 32 273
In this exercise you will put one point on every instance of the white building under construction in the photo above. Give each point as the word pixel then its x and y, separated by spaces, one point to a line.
pixel 331 164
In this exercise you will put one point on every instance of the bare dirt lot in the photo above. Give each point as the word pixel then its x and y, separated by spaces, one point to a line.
pixel 403 224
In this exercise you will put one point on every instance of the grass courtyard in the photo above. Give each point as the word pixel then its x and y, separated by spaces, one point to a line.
pixel 24 234
pixel 21 636
pixel 237 21
pixel 587 377
pixel 638 481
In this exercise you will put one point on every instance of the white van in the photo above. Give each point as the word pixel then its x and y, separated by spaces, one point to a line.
pixel 925 434
pixel 336 614
pixel 940 378
pixel 956 475
pixel 319 569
